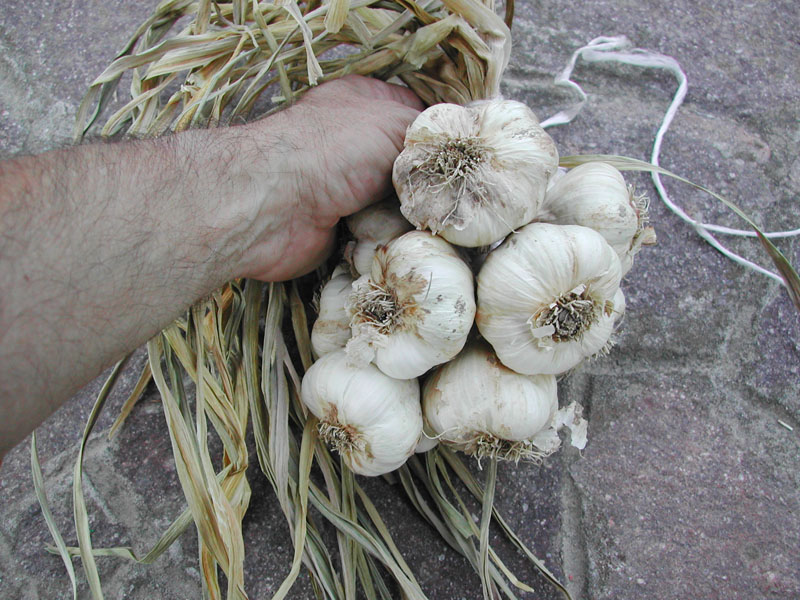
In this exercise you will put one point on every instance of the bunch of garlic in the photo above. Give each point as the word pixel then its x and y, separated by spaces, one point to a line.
pixel 550 248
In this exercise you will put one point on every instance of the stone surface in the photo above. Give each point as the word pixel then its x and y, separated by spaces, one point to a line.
pixel 689 484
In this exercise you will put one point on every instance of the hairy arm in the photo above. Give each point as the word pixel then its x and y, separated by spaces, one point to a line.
pixel 101 246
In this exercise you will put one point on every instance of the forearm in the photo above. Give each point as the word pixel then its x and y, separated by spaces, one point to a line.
pixel 102 246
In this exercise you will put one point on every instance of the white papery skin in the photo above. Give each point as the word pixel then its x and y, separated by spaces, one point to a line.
pixel 619 306
pixel 379 415
pixel 375 226
pixel 431 295
pixel 473 174
pixel 595 195
pixel 426 443
pixel 475 394
pixel 527 275
pixel 331 330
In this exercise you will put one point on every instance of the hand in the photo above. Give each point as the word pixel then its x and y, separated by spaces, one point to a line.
pixel 334 152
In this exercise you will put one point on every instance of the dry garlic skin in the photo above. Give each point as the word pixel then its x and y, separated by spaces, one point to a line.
pixel 415 308
pixel 473 174
pixel 480 406
pixel 595 195
pixel 371 419
pixel 331 330
pixel 546 297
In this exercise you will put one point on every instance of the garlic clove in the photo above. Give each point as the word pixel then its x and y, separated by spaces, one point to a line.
pixel 476 404
pixel 473 174
pixel 546 297
pixel 595 195
pixel 415 308
pixel 374 421
pixel 331 330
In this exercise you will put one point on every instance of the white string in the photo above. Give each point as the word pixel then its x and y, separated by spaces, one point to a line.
pixel 618 49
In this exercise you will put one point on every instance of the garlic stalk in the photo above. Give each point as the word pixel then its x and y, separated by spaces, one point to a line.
pixel 595 195
pixel 475 404
pixel 374 226
pixel 473 174
pixel 331 330
pixel 415 308
pixel 371 419
pixel 546 297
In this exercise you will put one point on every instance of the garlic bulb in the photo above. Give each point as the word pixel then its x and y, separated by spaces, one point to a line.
pixel 415 308
pixel 546 297
pixel 560 172
pixel 331 330
pixel 473 174
pixel 426 442
pixel 371 419
pixel 375 226
pixel 595 195
pixel 477 405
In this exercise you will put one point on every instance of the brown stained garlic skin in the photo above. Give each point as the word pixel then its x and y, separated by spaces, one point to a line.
pixel 473 174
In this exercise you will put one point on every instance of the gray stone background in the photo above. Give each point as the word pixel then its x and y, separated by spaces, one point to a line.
pixel 688 487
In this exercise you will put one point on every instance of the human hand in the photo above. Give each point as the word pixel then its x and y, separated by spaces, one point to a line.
pixel 329 155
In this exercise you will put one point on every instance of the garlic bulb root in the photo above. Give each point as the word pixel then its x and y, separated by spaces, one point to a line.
pixel 345 439
pixel 569 315
pixel 455 161
pixel 382 305
pixel 488 446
